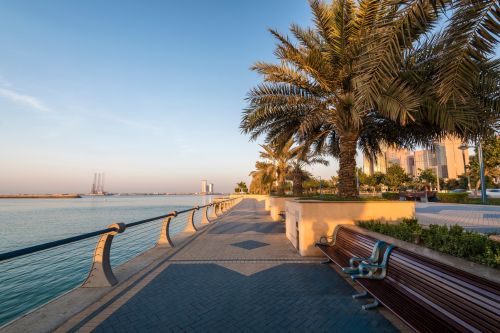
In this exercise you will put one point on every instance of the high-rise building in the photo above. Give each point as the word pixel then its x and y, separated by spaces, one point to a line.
pixel 377 164
pixel 455 157
pixel 446 159
pixel 210 188
pixel 424 159
pixel 386 158
pixel 203 186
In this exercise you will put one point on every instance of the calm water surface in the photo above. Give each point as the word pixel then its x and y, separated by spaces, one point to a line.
pixel 30 281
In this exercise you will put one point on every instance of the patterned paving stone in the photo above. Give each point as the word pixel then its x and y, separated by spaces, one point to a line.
pixel 249 244
pixel 240 274
pixel 473 217
pixel 207 297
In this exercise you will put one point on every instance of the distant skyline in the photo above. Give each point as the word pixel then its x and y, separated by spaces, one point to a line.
pixel 150 93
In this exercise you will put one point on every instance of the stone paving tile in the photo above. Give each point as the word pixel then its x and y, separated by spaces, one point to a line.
pixel 471 216
pixel 288 297
pixel 213 286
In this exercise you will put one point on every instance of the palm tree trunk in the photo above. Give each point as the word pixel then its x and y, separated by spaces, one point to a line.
pixel 347 166
pixel 281 186
pixel 297 183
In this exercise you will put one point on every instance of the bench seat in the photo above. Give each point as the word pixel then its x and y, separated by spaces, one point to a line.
pixel 427 295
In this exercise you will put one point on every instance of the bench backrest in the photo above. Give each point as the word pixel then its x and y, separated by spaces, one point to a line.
pixel 464 300
pixel 353 244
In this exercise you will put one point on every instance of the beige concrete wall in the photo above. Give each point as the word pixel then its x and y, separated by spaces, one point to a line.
pixel 319 218
pixel 258 197
pixel 268 203
pixel 292 211
pixel 277 205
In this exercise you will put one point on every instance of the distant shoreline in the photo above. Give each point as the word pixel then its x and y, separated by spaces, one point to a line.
pixel 39 196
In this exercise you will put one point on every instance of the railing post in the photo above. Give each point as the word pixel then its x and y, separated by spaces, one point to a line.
pixel 213 214
pixel 164 240
pixel 101 273
pixel 190 227
pixel 204 215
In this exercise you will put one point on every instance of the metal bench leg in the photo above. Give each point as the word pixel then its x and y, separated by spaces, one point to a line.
pixel 360 295
pixel 326 262
pixel 370 306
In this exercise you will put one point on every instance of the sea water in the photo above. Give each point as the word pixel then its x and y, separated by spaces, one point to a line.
pixel 30 281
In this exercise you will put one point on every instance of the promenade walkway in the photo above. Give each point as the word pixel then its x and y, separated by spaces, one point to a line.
pixel 238 274
pixel 474 217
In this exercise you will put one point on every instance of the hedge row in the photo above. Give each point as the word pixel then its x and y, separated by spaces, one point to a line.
pixel 390 195
pixel 453 240
pixel 453 197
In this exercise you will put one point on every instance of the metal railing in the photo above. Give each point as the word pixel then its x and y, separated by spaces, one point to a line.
pixel 101 273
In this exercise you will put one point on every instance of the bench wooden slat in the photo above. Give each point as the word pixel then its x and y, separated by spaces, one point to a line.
pixel 427 295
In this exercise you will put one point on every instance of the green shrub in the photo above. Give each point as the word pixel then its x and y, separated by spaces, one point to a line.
pixel 333 197
pixel 478 201
pixel 407 230
pixel 452 197
pixel 390 195
pixel 453 240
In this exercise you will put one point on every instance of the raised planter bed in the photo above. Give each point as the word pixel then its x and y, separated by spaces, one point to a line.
pixel 308 220
pixel 276 206
pixel 483 271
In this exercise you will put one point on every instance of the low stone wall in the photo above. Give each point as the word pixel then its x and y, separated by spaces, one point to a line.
pixel 277 205
pixel 459 263
pixel 258 197
pixel 308 220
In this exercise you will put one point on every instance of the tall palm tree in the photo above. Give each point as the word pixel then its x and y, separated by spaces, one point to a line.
pixel 281 158
pixel 298 172
pixel 365 75
pixel 262 178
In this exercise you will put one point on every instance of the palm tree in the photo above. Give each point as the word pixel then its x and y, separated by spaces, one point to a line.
pixel 299 174
pixel 365 75
pixel 262 178
pixel 241 187
pixel 281 158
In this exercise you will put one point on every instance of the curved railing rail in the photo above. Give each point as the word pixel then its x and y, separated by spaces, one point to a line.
pixel 101 273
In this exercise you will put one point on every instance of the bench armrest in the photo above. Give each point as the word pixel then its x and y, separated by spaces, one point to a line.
pixel 354 260
pixel 325 240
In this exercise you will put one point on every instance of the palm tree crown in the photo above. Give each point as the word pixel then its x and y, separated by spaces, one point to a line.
pixel 365 76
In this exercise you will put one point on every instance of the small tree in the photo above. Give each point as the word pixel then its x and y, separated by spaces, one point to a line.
pixel 491 158
pixel 427 177
pixel 241 187
pixel 395 177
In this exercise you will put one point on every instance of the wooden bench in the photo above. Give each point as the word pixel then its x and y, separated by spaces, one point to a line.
pixel 427 295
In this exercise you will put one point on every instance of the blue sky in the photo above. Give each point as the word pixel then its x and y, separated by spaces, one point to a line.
pixel 150 92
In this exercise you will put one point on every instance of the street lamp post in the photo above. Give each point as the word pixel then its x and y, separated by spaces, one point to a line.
pixel 320 186
pixel 481 172
pixel 463 147
pixel 438 187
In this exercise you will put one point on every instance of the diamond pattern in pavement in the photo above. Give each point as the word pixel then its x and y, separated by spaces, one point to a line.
pixel 249 244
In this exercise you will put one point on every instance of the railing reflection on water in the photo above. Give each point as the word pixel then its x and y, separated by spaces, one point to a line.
pixel 52 268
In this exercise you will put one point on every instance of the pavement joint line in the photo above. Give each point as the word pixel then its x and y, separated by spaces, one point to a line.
pixel 298 260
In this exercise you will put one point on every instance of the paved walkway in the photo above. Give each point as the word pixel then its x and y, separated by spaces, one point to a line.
pixel 239 274
pixel 477 217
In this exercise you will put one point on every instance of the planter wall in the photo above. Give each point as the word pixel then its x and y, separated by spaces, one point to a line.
pixel 277 205
pixel 307 221
pixel 258 197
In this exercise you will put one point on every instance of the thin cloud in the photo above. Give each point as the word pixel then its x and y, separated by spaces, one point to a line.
pixel 25 100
